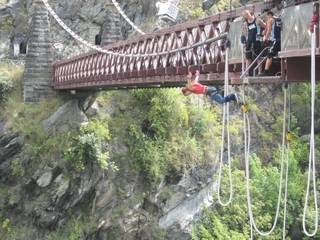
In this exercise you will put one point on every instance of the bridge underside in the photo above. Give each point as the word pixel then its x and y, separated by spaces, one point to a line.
pixel 295 67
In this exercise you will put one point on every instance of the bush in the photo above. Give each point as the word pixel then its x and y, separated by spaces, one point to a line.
pixel 74 229
pixel 10 76
pixel 232 222
pixel 89 145
pixel 148 155
pixel 17 168
pixel 6 85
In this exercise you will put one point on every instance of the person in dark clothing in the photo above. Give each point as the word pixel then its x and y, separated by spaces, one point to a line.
pixel 272 38
pixel 253 44
pixel 194 87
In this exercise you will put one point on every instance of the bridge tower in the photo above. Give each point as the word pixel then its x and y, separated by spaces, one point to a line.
pixel 38 69
pixel 111 29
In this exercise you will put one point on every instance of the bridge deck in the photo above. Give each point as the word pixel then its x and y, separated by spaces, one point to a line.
pixel 95 70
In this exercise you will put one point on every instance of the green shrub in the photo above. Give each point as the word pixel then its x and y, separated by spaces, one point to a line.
pixel 148 155
pixel 6 86
pixel 89 144
pixel 7 23
pixel 232 222
pixel 74 229
pixel 7 225
pixel 16 168
pixel 7 230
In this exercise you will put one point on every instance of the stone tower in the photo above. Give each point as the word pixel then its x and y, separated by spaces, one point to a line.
pixel 111 29
pixel 38 69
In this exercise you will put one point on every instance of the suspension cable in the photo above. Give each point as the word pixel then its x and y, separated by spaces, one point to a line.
pixel 102 50
pixel 247 170
pixel 225 118
pixel 135 27
pixel 312 146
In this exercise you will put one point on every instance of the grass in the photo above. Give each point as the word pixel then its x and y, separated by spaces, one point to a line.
pixel 26 119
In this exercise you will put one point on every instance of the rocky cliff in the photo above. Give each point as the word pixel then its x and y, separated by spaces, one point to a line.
pixel 40 195
pixel 86 18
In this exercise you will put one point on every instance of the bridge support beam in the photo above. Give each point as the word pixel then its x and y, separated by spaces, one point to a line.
pixel 37 78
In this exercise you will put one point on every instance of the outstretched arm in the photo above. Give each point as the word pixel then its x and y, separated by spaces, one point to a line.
pixel 187 93
pixel 189 80
pixel 196 79
pixel 262 23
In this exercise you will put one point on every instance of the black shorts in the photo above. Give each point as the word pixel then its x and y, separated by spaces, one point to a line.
pixel 253 48
pixel 275 47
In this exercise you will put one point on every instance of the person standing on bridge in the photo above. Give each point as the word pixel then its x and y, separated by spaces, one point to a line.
pixel 194 87
pixel 272 38
pixel 252 42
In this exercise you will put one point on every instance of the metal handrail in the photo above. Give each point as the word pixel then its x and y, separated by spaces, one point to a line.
pixel 259 64
pixel 253 62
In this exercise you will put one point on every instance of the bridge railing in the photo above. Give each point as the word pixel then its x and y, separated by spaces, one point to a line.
pixel 100 69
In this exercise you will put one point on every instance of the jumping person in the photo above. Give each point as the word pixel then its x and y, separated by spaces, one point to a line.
pixel 272 38
pixel 254 28
pixel 193 86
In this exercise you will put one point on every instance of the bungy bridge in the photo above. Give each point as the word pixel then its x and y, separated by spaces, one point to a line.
pixel 162 58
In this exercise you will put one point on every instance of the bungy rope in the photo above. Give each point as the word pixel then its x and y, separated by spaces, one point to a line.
pixel 247 137
pixel 135 27
pixel 245 110
pixel 224 119
pixel 312 146
pixel 102 50
pixel 287 150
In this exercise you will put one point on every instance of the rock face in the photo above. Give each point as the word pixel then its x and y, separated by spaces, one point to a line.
pixel 38 68
pixel 45 179
pixel 45 199
pixel 67 117
pixel 121 206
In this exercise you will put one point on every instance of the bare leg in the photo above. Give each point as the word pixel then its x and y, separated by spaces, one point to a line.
pixel 268 63
pixel 248 62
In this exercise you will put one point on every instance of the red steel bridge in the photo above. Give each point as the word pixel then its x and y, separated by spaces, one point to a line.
pixel 162 58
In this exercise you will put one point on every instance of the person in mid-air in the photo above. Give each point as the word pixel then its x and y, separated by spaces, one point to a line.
pixel 193 86
pixel 272 38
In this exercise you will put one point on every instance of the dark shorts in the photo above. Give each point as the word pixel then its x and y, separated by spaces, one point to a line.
pixel 253 48
pixel 275 47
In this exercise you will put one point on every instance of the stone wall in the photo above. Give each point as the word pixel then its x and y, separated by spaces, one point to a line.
pixel 38 67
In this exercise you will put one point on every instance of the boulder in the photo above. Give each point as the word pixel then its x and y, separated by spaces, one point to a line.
pixel 67 117
pixel 61 186
pixel 93 110
pixel 45 179
pixel 10 145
